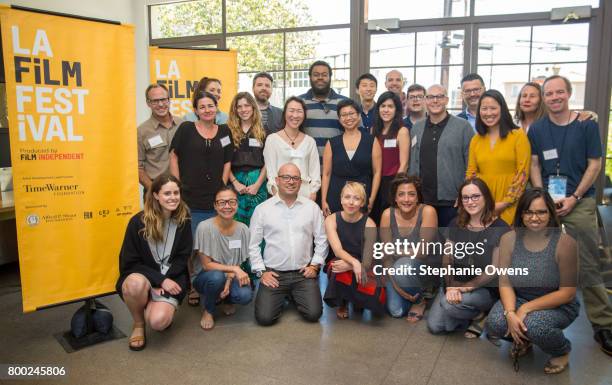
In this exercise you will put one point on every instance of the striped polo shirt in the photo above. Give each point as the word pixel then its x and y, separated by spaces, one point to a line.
pixel 322 118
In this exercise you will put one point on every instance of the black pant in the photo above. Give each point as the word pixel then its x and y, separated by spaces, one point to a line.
pixel 304 291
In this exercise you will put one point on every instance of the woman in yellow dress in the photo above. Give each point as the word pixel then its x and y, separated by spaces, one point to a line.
pixel 500 154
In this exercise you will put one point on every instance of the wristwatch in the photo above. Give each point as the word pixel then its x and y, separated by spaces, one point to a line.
pixel 576 196
pixel 506 312
pixel 259 273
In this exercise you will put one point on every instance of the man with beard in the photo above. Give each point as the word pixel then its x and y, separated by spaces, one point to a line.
pixel 321 101
pixel 271 116
pixel 472 87
pixel 154 135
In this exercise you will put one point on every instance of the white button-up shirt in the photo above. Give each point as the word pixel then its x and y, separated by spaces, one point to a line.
pixel 289 232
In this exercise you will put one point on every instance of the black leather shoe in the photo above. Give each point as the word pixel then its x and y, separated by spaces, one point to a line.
pixel 604 339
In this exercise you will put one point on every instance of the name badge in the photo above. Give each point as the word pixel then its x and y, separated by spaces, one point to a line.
pixel 557 187
pixel 253 142
pixel 390 143
pixel 550 154
pixel 295 153
pixel 414 141
pixel 235 244
pixel 164 268
pixel 225 141
pixel 155 141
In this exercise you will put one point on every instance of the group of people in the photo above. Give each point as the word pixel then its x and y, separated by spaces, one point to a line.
pixel 256 203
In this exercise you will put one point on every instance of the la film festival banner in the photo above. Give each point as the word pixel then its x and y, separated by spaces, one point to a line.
pixel 70 92
pixel 181 69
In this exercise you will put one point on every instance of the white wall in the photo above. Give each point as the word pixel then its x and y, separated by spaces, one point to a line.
pixel 125 11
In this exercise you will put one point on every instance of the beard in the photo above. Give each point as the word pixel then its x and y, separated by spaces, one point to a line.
pixel 320 91
pixel 261 100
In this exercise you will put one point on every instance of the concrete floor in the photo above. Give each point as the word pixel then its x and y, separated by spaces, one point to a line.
pixel 356 351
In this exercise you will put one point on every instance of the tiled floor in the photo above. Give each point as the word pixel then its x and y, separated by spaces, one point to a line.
pixel 356 351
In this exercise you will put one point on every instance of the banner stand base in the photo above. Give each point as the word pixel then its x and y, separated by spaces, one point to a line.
pixel 71 344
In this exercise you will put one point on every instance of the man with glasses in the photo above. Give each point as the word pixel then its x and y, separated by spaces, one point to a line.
pixel 472 88
pixel 154 135
pixel 288 224
pixel 321 101
pixel 271 116
pixel 415 108
pixel 439 154
pixel 566 160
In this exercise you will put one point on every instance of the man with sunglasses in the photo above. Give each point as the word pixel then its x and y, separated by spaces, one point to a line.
pixel 288 224
pixel 439 154
pixel 154 135
pixel 472 88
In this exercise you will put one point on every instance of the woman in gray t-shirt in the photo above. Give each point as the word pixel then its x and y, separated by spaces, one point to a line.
pixel 222 245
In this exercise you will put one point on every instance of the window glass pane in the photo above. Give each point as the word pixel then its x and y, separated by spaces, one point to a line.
pixel 253 15
pixel 332 45
pixel 381 73
pixel 504 45
pixel 404 10
pixel 507 79
pixel 496 7
pixel 188 18
pixel 447 76
pixel 440 47
pixel 258 52
pixel 392 49
pixel 245 84
pixel 557 43
pixel 576 73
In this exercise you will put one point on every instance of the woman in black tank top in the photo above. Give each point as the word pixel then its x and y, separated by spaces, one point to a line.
pixel 348 272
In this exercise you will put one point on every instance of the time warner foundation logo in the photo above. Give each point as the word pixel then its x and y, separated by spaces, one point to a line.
pixel 32 220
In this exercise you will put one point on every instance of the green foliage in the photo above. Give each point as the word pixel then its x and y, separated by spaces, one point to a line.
pixel 255 52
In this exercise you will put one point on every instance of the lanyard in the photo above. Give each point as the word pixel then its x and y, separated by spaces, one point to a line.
pixel 557 148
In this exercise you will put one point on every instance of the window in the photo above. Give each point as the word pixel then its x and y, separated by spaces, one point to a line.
pixel 496 7
pixel 411 10
pixel 187 18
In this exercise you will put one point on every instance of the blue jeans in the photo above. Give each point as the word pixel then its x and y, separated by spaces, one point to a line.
pixel 198 216
pixel 397 305
pixel 211 283
pixel 446 317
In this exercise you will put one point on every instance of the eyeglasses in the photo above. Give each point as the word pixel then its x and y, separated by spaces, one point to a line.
pixel 473 198
pixel 416 97
pixel 348 115
pixel 287 178
pixel 472 91
pixel 228 202
pixel 435 97
pixel 161 101
pixel 538 213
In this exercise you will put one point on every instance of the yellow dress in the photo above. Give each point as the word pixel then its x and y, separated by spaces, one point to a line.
pixel 504 167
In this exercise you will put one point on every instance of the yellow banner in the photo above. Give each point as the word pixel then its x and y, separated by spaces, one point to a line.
pixel 181 69
pixel 70 91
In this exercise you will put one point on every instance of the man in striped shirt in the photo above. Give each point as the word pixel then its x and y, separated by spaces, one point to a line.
pixel 321 101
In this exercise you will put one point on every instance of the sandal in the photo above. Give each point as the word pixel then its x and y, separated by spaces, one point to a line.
pixel 342 312
pixel 551 368
pixel 475 329
pixel 139 338
pixel 193 298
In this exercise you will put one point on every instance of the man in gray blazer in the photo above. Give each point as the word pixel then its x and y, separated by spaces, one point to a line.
pixel 439 154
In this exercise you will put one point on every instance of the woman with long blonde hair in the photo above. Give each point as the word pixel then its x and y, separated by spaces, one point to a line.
pixel 248 172
pixel 153 277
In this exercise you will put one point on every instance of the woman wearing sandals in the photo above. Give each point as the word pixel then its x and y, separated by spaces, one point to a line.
pixel 346 234
pixel 222 245
pixel 538 304
pixel 406 219
pixel 153 276
pixel 467 298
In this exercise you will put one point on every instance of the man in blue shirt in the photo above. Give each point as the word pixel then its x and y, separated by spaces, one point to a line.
pixel 472 88
pixel 415 109
pixel 366 86
pixel 566 160
pixel 321 102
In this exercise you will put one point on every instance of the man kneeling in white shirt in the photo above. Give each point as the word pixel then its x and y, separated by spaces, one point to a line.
pixel 288 224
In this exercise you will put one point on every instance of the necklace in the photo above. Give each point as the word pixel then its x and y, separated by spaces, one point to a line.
pixel 290 138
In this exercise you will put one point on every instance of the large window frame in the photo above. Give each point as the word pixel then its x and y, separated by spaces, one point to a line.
pixel 599 57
